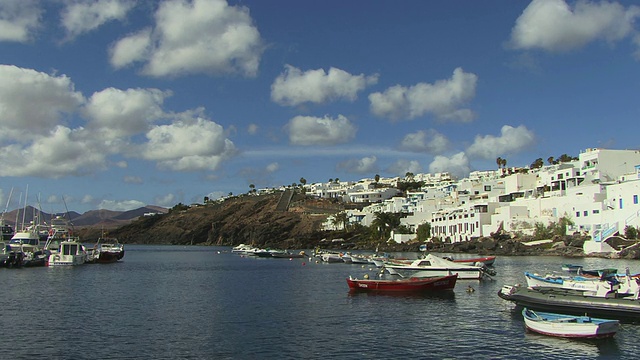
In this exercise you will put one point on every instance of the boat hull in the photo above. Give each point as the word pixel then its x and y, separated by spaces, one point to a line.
pixel 404 285
pixel 569 326
pixel 572 302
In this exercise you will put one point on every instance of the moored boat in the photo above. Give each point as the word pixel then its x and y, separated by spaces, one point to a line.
pixel 432 265
pixel 572 268
pixel 625 308
pixel 107 250
pixel 561 325
pixel 70 253
pixel 403 285
pixel 486 260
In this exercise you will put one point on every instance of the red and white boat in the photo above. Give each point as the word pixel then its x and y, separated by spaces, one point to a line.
pixel 410 284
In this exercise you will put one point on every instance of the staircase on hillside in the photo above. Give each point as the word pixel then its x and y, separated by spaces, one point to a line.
pixel 285 200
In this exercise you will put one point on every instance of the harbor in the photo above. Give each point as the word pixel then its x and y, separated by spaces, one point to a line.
pixel 168 302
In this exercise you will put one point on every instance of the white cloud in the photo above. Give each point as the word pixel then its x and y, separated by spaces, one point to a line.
pixel 133 48
pixel 123 113
pixel 188 145
pixel 511 140
pixel 82 17
pixel 201 36
pixel 456 165
pixel 19 19
pixel 252 129
pixel 364 165
pixel 123 205
pixel 64 152
pixel 553 26
pixel 429 141
pixel 309 130
pixel 168 201
pixel 403 166
pixel 294 87
pixel 272 167
pixel 442 99
pixel 20 89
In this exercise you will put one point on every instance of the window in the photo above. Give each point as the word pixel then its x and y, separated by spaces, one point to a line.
pixel 635 199
pixel 620 203
pixel 487 188
pixel 596 211
pixel 577 214
pixel 585 213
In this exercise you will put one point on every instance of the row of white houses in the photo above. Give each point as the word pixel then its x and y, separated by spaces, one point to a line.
pixel 599 193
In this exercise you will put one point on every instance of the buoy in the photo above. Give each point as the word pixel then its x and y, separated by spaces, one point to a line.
pixel 470 289
pixel 366 276
pixel 303 264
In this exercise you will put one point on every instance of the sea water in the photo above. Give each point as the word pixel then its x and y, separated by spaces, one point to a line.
pixel 188 302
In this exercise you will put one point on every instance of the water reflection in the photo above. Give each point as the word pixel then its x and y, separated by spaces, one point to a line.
pixel 440 295
pixel 549 345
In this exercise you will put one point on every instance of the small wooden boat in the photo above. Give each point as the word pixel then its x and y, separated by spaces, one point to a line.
pixel 408 285
pixel 570 326
pixel 572 268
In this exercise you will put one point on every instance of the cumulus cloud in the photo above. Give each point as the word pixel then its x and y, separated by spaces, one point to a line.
pixel 294 87
pixel 252 129
pixel 123 113
pixel 309 130
pixel 443 99
pixel 21 88
pixel 429 141
pixel 456 165
pixel 81 17
pixel 68 135
pixel 200 36
pixel 64 152
pixel 188 145
pixel 366 165
pixel 19 19
pixel 511 140
pixel 403 166
pixel 553 25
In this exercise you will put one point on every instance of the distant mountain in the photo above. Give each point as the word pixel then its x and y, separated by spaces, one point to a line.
pixel 92 218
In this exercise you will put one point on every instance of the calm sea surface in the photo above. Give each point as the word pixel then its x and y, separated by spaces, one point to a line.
pixel 176 302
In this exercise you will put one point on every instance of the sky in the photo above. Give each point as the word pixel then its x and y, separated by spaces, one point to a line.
pixel 118 104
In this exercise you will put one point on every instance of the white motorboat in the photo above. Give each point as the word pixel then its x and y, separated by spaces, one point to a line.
pixel 70 252
pixel 432 265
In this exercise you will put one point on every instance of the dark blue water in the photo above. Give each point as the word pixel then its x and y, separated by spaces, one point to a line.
pixel 174 302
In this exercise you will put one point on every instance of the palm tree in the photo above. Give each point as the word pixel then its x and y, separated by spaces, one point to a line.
pixel 342 219
pixel 538 163
pixel 377 178
pixel 499 162
pixel 303 181
pixel 550 160
pixel 384 222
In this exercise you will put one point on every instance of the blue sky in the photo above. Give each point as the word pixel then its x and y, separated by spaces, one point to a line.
pixel 116 104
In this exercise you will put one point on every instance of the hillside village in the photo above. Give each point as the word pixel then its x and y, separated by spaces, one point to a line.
pixel 597 192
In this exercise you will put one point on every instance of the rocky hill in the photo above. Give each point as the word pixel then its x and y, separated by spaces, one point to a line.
pixel 249 219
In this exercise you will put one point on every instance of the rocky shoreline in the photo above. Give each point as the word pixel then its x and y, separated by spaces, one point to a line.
pixel 255 220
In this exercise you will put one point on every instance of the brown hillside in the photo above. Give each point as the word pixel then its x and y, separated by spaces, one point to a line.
pixel 245 219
